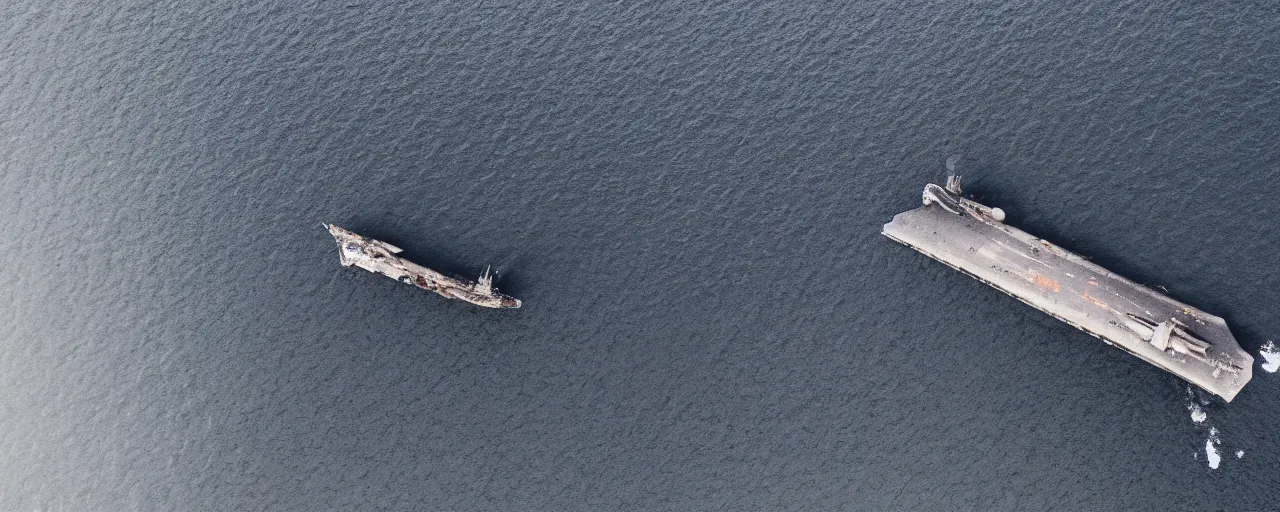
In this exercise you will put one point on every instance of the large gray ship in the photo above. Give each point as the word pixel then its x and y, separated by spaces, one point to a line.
pixel 973 239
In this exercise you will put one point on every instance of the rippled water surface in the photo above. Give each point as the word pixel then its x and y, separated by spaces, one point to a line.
pixel 687 196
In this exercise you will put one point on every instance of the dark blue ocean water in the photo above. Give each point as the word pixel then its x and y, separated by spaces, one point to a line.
pixel 688 198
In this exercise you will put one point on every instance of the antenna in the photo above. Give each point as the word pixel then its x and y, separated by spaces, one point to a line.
pixel 953 179
pixel 485 283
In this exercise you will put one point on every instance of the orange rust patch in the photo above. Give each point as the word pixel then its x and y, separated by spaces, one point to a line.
pixel 1093 299
pixel 1047 283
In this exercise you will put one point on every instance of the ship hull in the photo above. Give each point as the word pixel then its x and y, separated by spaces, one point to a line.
pixel 380 258
pixel 1118 311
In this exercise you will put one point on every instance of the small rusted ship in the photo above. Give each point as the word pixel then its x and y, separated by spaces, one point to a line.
pixel 380 257
pixel 973 239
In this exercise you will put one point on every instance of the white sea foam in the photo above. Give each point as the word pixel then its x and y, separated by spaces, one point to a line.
pixel 1197 414
pixel 1272 355
pixel 1211 452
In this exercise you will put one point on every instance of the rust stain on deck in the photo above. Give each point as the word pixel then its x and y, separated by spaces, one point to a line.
pixel 1092 299
pixel 1047 283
